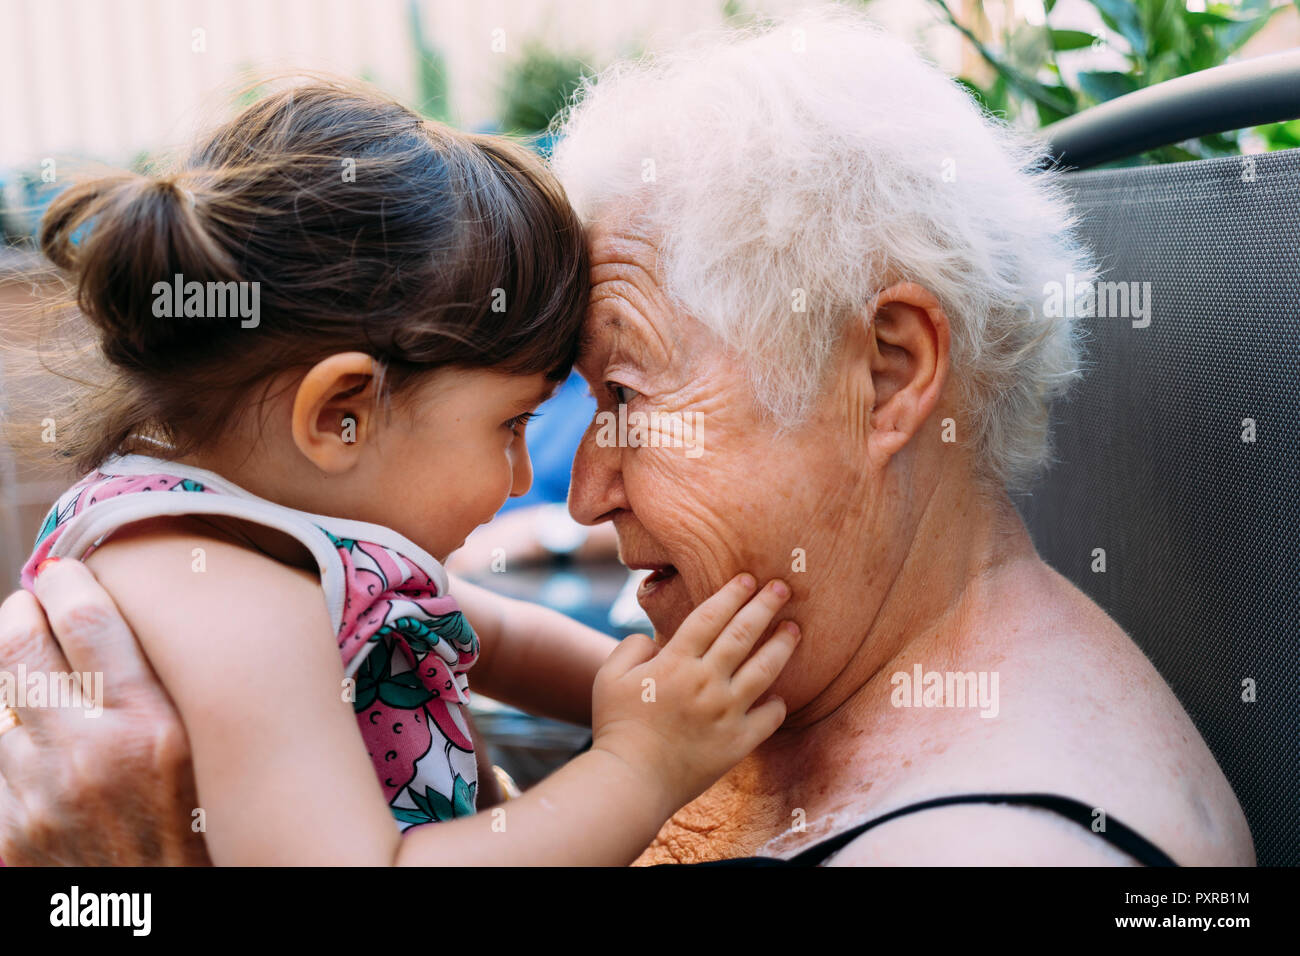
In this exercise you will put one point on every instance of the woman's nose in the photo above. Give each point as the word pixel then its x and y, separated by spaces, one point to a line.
pixel 596 486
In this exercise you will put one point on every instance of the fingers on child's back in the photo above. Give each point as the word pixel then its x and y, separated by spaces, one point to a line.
pixel 87 625
pixel 25 636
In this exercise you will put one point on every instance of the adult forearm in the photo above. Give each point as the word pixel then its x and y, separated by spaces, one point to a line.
pixel 553 663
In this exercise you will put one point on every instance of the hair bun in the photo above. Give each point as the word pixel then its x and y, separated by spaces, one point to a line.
pixel 121 235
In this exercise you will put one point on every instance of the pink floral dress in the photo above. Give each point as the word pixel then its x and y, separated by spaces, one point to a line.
pixel 403 639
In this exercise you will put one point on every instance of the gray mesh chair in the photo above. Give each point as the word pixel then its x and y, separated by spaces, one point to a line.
pixel 1200 525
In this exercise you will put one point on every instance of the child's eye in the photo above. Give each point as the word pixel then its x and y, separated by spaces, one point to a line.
pixel 617 391
pixel 519 421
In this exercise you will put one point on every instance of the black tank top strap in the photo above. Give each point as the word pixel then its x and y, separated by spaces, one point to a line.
pixel 1115 832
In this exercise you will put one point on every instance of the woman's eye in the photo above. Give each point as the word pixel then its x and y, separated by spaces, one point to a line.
pixel 621 394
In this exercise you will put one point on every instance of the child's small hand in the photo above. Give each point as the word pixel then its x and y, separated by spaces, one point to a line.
pixel 681 713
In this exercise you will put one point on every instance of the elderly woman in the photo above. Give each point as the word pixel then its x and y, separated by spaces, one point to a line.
pixel 814 254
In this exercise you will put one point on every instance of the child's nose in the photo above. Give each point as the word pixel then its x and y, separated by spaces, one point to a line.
pixel 523 469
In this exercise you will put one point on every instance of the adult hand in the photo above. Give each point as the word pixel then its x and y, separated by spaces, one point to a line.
pixel 78 789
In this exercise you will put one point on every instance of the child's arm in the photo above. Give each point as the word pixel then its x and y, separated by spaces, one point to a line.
pixel 246 652
pixel 532 657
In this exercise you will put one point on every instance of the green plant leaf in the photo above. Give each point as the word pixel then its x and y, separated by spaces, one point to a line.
pixel 1106 86
pixel 1063 40
pixel 1281 135
pixel 972 88
pixel 1173 154
pixel 537 87
pixel 1014 78
pixel 430 69
pixel 1164 41
pixel 1166 29
pixel 1124 18
pixel 1234 34
pixel 1047 115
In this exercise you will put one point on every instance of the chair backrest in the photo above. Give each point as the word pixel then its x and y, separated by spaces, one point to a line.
pixel 1179 456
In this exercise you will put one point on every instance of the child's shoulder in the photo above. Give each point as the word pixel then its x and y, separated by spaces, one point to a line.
pixel 199 600
pixel 111 504
pixel 197 553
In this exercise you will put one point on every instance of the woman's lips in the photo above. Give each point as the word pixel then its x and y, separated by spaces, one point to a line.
pixel 659 577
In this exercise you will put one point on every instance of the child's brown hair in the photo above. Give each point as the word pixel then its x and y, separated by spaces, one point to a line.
pixel 366 227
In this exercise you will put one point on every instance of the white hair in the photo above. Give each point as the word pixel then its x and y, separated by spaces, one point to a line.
pixel 818 156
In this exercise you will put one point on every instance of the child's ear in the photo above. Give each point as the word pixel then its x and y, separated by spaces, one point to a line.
pixel 332 411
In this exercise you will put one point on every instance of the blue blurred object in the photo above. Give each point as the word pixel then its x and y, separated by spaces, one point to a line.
pixel 553 440
pixel 544 144
pixel 25 198
pixel 566 592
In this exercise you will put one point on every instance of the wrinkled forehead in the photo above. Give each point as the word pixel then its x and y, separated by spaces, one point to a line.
pixel 604 333
pixel 627 309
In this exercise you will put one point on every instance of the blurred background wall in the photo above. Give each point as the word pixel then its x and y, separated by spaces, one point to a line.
pixel 113 77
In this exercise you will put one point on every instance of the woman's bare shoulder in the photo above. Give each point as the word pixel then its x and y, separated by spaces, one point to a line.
pixel 1085 714
pixel 1078 711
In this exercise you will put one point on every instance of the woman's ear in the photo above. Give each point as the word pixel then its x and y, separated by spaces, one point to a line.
pixel 332 411
pixel 909 364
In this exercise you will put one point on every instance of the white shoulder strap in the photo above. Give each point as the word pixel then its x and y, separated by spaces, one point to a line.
pixel 89 529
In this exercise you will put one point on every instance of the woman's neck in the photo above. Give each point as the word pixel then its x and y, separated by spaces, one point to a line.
pixel 924 595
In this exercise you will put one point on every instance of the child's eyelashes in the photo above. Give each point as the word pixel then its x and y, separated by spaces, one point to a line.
pixel 519 421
